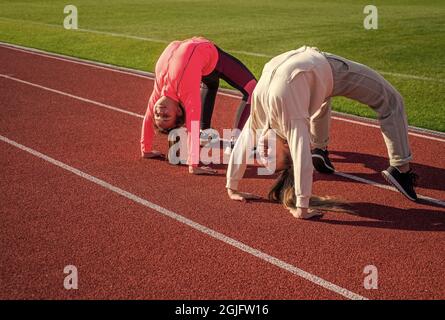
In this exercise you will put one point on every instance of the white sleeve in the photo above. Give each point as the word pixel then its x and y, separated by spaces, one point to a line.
pixel 298 137
pixel 238 159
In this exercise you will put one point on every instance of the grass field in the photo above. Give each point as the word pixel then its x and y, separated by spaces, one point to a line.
pixel 408 48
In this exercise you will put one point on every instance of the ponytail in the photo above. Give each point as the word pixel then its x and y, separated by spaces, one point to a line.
pixel 283 191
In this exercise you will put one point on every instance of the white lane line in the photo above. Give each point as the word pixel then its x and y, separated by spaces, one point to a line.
pixel 362 120
pixel 100 104
pixel 410 76
pixel 248 53
pixel 106 106
pixel 107 33
pixel 103 105
pixel 195 225
pixel 372 125
pixel 386 187
pixel 88 63
pixel 224 92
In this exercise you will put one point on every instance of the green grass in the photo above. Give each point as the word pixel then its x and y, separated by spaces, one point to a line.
pixel 410 39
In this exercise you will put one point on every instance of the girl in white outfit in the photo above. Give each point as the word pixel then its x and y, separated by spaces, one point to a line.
pixel 291 98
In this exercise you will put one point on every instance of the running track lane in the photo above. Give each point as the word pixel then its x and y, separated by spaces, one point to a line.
pixel 133 95
pixel 116 246
pixel 402 239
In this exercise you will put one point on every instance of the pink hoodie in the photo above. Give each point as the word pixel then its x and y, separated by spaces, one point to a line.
pixel 178 76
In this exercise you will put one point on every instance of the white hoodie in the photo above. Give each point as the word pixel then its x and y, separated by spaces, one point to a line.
pixel 292 88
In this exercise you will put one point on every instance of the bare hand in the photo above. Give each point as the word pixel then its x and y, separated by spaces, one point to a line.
pixel 305 213
pixel 152 154
pixel 241 196
pixel 202 170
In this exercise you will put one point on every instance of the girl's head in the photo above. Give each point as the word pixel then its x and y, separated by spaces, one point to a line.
pixel 274 151
pixel 283 189
pixel 168 114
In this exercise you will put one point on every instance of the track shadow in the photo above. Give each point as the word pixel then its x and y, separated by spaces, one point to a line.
pixel 429 203
pixel 385 217
pixel 260 200
pixel 333 177
pixel 181 165
pixel 250 173
pixel 429 177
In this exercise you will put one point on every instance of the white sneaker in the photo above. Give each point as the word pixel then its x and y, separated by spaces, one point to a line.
pixel 205 137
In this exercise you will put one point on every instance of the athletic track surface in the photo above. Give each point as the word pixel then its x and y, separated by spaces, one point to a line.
pixel 74 191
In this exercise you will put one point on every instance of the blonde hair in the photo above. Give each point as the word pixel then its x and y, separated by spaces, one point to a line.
pixel 284 191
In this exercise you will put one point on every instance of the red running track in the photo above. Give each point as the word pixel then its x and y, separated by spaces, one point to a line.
pixel 52 218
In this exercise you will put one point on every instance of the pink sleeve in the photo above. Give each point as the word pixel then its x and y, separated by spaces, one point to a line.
pixel 193 117
pixel 189 74
pixel 147 126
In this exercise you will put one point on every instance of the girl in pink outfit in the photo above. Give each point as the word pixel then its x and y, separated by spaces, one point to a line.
pixel 187 80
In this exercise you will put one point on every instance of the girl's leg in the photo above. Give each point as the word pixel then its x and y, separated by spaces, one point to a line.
pixel 242 114
pixel 320 125
pixel 235 73
pixel 359 82
pixel 209 89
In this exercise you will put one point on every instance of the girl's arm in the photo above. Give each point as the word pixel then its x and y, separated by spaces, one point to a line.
pixel 192 106
pixel 147 133
pixel 241 196
pixel 189 74
pixel 238 163
pixel 298 137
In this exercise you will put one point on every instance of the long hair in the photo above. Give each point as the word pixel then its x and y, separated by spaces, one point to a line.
pixel 284 191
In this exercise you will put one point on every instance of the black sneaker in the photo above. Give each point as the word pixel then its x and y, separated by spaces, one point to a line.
pixel 404 182
pixel 321 162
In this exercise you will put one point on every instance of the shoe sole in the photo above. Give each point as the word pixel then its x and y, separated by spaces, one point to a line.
pixel 321 165
pixel 390 179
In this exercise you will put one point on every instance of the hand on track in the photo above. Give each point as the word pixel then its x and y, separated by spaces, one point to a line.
pixel 153 154
pixel 305 213
pixel 241 196
pixel 202 170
